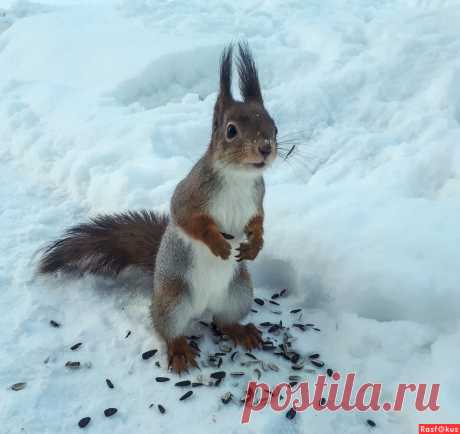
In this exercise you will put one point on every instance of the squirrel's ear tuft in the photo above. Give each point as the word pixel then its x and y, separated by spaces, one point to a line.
pixel 249 80
pixel 225 92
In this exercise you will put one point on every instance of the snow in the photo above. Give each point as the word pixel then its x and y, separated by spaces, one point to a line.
pixel 105 106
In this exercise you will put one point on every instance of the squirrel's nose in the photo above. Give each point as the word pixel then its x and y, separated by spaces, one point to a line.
pixel 265 150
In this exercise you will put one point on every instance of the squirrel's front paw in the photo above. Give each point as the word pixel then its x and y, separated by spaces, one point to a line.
pixel 220 247
pixel 249 250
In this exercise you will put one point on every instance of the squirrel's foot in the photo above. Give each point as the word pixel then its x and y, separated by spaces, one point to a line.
pixel 248 336
pixel 181 355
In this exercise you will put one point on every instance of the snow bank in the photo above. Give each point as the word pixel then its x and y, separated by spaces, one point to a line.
pixel 108 106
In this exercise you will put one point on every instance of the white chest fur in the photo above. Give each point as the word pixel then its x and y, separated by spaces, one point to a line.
pixel 235 204
pixel 209 276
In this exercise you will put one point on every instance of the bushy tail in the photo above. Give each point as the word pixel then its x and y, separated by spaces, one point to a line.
pixel 107 244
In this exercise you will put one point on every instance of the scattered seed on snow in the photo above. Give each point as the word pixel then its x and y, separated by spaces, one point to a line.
pixel 314 356
pixel 186 395
pixel 76 346
pixel 371 423
pixel 55 323
pixel 161 409
pixel 259 301
pixel 218 375
pixel 227 397
pixel 317 364
pixel 183 383
pixel 291 414
pixel 84 422
pixel 72 365
pixel 18 386
pixel 329 372
pixel 161 379
pixel 148 354
pixel 128 334
pixel 109 383
pixel 110 412
pixel 295 310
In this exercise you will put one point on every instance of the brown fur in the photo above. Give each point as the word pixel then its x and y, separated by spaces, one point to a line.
pixel 248 335
pixel 181 355
pixel 107 244
pixel 254 231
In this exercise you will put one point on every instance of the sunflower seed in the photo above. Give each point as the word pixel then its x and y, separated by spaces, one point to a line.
pixel 219 375
pixel 84 422
pixel 227 397
pixel 291 414
pixel 157 364
pixel 235 356
pixel 297 367
pixel 273 367
pixel 148 354
pixel 110 412
pixel 254 311
pixel 252 356
pixel 274 328
pixel 265 324
pixel 197 384
pixel 109 383
pixel 161 409
pixel 323 401
pixel 274 302
pixel 237 374
pixel 317 364
pixel 18 386
pixel 76 346
pixel 295 358
pixel 186 395
pixel 296 310
pixel 329 372
pixel 370 422
pixel 276 312
pixel 161 379
pixel 55 323
pixel 275 296
pixel 128 334
pixel 294 378
pixel 72 365
pixel 283 292
pixel 183 383
pixel 314 356
pixel 317 329
pixel 300 326
pixel 259 301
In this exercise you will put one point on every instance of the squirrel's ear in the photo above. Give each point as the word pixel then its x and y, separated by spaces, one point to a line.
pixel 249 80
pixel 225 88
pixel 225 91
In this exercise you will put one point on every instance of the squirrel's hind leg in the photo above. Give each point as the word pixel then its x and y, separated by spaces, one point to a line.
pixel 237 306
pixel 171 314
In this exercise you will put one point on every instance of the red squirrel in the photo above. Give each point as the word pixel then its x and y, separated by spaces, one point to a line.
pixel 189 252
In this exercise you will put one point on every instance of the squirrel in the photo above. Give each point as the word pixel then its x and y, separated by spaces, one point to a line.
pixel 189 252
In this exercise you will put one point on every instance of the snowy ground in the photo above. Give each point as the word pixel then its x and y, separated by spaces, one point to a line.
pixel 105 105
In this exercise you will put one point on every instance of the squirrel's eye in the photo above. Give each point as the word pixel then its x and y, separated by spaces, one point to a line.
pixel 231 131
